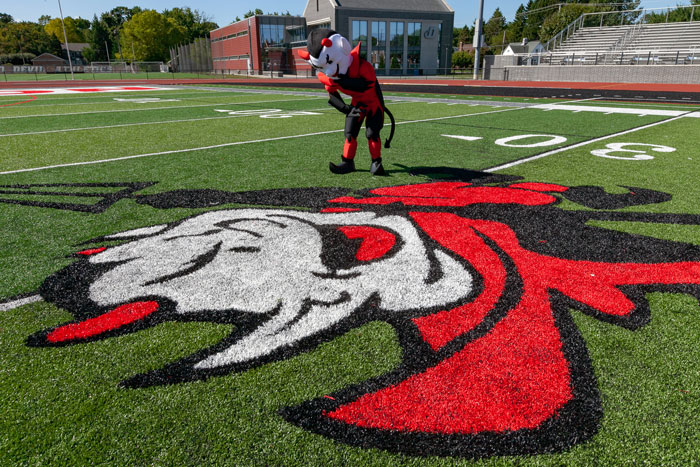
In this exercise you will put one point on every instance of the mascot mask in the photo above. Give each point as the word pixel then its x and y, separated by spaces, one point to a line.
pixel 328 52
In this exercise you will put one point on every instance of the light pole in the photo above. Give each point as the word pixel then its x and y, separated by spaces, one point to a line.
pixel 65 37
pixel 477 39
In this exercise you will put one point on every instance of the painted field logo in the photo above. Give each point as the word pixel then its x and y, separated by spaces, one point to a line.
pixel 477 279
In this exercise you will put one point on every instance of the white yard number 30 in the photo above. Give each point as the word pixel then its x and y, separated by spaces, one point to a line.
pixel 632 154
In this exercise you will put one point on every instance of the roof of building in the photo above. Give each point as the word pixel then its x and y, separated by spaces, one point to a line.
pixel 438 6
pixel 519 48
pixel 46 57
pixel 75 46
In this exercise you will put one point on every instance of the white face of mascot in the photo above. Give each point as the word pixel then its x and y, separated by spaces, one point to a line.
pixel 284 266
pixel 328 52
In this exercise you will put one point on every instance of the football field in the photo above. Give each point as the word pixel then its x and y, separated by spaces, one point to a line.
pixel 184 282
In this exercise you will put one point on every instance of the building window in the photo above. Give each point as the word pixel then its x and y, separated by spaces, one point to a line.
pixel 271 35
pixel 396 38
pixel 378 58
pixel 359 35
pixel 296 35
pixel 414 38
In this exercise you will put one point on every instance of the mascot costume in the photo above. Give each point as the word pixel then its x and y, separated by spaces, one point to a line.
pixel 340 68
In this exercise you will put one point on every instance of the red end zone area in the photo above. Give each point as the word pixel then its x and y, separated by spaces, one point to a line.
pixel 27 89
pixel 385 81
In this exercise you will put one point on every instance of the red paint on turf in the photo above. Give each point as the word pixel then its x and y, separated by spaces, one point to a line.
pixel 18 103
pixel 450 194
pixel 92 251
pixel 515 376
pixel 441 328
pixel 333 210
pixel 375 242
pixel 109 321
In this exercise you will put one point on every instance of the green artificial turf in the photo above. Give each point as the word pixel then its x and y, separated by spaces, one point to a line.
pixel 63 405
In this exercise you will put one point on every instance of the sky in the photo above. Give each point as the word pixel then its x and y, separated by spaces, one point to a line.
pixel 224 12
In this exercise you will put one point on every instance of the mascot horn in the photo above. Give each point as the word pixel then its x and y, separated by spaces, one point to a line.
pixel 340 68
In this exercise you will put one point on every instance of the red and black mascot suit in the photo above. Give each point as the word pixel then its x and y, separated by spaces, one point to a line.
pixel 341 69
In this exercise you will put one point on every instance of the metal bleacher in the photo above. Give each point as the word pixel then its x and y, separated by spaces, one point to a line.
pixel 639 43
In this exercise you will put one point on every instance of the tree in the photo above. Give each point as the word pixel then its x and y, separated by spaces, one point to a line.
pixel 494 28
pixel 99 40
pixel 464 35
pixel 462 59
pixel 556 22
pixel 514 30
pixel 395 64
pixel 196 24
pixel 83 26
pixel 149 35
pixel 116 17
pixel 555 13
pixel 250 13
pixel 6 19
pixel 55 28
pixel 113 22
pixel 44 20
pixel 28 38
pixel 537 12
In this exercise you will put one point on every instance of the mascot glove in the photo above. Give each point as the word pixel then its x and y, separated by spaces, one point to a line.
pixel 355 112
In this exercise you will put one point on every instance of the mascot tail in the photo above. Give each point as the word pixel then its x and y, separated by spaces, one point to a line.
pixel 387 143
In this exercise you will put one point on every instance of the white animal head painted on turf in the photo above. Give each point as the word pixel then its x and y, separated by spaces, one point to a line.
pixel 328 52
pixel 279 265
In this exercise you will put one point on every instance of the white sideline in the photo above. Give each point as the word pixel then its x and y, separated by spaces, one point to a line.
pixel 238 143
pixel 584 143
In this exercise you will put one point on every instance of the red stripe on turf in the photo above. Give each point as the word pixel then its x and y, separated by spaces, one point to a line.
pixel 18 103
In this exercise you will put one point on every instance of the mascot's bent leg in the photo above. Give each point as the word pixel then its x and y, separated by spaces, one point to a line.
pixel 352 129
pixel 375 122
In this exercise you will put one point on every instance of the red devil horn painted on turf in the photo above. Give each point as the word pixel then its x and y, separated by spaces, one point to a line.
pixel 327 42
pixel 304 54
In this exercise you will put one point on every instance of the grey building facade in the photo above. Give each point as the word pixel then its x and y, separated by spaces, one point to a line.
pixel 399 37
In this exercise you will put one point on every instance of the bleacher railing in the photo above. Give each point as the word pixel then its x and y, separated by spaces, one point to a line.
pixel 681 13
pixel 689 56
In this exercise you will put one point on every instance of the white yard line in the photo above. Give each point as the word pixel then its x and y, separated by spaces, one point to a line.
pixel 122 125
pixel 616 110
pixel 584 143
pixel 163 122
pixel 162 153
pixel 239 143
pixel 112 100
pixel 157 108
